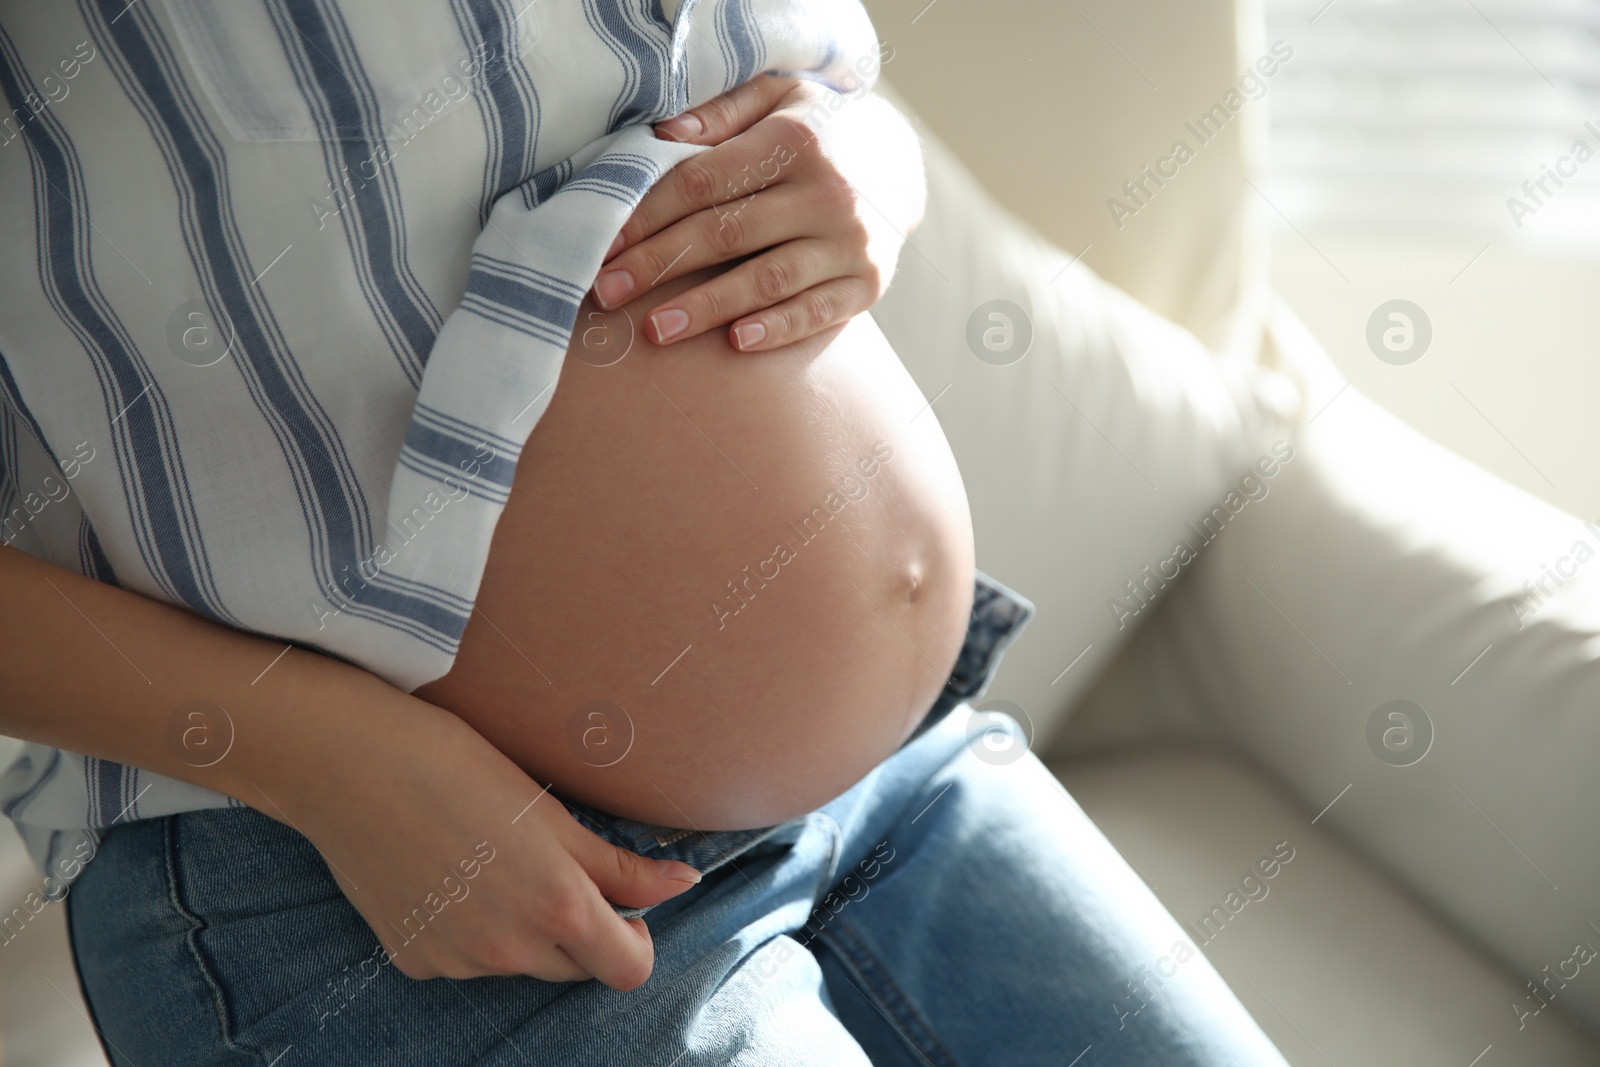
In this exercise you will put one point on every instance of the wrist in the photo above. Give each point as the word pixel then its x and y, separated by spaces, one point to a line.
pixel 303 732
pixel 344 766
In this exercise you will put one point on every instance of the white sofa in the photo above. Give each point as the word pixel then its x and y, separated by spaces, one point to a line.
pixel 1237 713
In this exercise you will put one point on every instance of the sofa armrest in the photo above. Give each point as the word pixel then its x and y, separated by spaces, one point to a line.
pixel 1381 568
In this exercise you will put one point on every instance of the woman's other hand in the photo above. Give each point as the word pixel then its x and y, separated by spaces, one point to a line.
pixel 815 191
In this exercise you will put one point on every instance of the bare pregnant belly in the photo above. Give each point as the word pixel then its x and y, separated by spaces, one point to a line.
pixel 726 585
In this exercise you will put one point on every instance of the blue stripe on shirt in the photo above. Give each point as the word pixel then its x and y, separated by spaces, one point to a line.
pixel 509 101
pixel 643 57
pixel 462 456
pixel 337 519
pixel 463 428
pixel 334 85
pixel 149 461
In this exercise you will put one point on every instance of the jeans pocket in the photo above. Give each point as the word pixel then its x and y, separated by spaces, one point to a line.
pixel 705 851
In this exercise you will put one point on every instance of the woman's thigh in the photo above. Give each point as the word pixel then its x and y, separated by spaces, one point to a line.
pixel 980 917
pixel 945 910
pixel 220 938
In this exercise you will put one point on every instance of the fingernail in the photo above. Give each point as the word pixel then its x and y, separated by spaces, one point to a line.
pixel 669 323
pixel 613 287
pixel 678 872
pixel 682 127
pixel 747 334
pixel 615 245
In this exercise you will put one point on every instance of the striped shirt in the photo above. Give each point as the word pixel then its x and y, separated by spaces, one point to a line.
pixel 297 282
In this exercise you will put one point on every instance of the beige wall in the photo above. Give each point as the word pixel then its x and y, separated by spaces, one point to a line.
pixel 1054 105
pixel 1510 380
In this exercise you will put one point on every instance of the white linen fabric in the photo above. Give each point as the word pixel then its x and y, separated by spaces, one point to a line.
pixel 296 283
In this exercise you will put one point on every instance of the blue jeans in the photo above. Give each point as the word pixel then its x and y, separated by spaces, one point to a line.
pixel 955 907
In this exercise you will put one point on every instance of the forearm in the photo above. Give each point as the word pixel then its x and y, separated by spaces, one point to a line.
pixel 102 671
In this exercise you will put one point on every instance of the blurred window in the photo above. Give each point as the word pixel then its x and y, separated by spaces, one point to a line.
pixel 1443 117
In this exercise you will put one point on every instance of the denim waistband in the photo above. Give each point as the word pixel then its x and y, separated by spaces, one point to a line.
pixel 998 615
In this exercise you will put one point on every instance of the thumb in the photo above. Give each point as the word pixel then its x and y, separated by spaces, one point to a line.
pixel 628 878
pixel 732 113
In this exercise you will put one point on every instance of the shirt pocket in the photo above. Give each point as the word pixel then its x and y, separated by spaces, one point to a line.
pixel 346 70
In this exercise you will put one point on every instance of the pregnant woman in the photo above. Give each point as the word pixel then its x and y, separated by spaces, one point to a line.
pixel 428 660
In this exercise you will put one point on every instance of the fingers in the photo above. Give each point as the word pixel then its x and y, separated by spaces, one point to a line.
pixel 726 173
pixel 616 951
pixel 766 193
pixel 574 935
pixel 567 929
pixel 590 938
pixel 732 113
pixel 628 878
pixel 803 315
pixel 492 951
pixel 571 932
pixel 552 966
pixel 757 285
pixel 725 232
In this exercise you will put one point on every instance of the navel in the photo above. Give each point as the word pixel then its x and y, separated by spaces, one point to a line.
pixel 913 582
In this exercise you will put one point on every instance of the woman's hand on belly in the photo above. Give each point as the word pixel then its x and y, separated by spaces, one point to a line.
pixel 723 589
pixel 818 189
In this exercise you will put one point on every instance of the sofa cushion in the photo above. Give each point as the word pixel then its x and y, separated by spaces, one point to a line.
pixel 1384 569
pixel 1337 963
